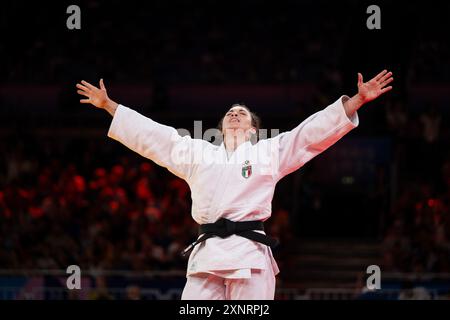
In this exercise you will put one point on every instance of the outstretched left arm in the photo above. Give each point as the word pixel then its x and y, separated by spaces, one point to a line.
pixel 325 127
pixel 368 91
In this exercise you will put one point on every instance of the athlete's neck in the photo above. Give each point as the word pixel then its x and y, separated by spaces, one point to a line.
pixel 233 141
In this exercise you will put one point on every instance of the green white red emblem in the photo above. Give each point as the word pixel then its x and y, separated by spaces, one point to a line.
pixel 246 169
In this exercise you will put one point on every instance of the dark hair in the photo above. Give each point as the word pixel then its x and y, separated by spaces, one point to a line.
pixel 256 121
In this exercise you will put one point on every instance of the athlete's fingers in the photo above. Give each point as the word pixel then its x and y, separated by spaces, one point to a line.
pixel 102 84
pixel 87 84
pixel 360 79
pixel 382 73
pixel 386 76
pixel 83 93
pixel 386 89
pixel 80 86
pixel 386 82
pixel 85 101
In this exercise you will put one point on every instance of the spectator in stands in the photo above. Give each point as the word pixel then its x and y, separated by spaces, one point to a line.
pixel 133 292
pixel 101 290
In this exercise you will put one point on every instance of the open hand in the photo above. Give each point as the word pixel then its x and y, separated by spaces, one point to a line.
pixel 96 96
pixel 374 88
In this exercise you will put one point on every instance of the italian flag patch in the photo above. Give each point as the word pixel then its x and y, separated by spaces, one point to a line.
pixel 246 169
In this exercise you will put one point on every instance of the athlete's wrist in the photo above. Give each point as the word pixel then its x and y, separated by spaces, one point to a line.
pixel 111 107
pixel 353 104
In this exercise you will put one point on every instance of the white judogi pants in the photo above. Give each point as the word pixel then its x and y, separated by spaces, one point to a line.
pixel 207 286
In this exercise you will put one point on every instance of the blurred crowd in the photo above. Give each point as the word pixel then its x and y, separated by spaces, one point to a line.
pixel 417 237
pixel 53 215
pixel 417 222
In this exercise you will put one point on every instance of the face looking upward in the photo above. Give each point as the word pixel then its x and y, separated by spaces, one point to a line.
pixel 238 120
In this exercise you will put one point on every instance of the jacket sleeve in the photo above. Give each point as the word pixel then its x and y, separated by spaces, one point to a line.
pixel 157 142
pixel 311 137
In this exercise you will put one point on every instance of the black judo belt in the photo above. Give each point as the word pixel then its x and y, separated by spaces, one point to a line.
pixel 224 228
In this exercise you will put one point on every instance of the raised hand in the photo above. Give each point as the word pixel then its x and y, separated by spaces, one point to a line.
pixel 96 96
pixel 375 87
pixel 367 91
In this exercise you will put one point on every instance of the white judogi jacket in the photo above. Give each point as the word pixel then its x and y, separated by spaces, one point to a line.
pixel 240 188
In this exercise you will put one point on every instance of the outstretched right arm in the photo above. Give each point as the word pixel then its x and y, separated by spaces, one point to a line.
pixel 159 143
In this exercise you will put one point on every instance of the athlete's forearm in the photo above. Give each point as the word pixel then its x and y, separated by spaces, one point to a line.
pixel 111 107
pixel 353 104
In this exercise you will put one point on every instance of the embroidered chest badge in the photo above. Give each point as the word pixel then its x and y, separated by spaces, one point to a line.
pixel 246 169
